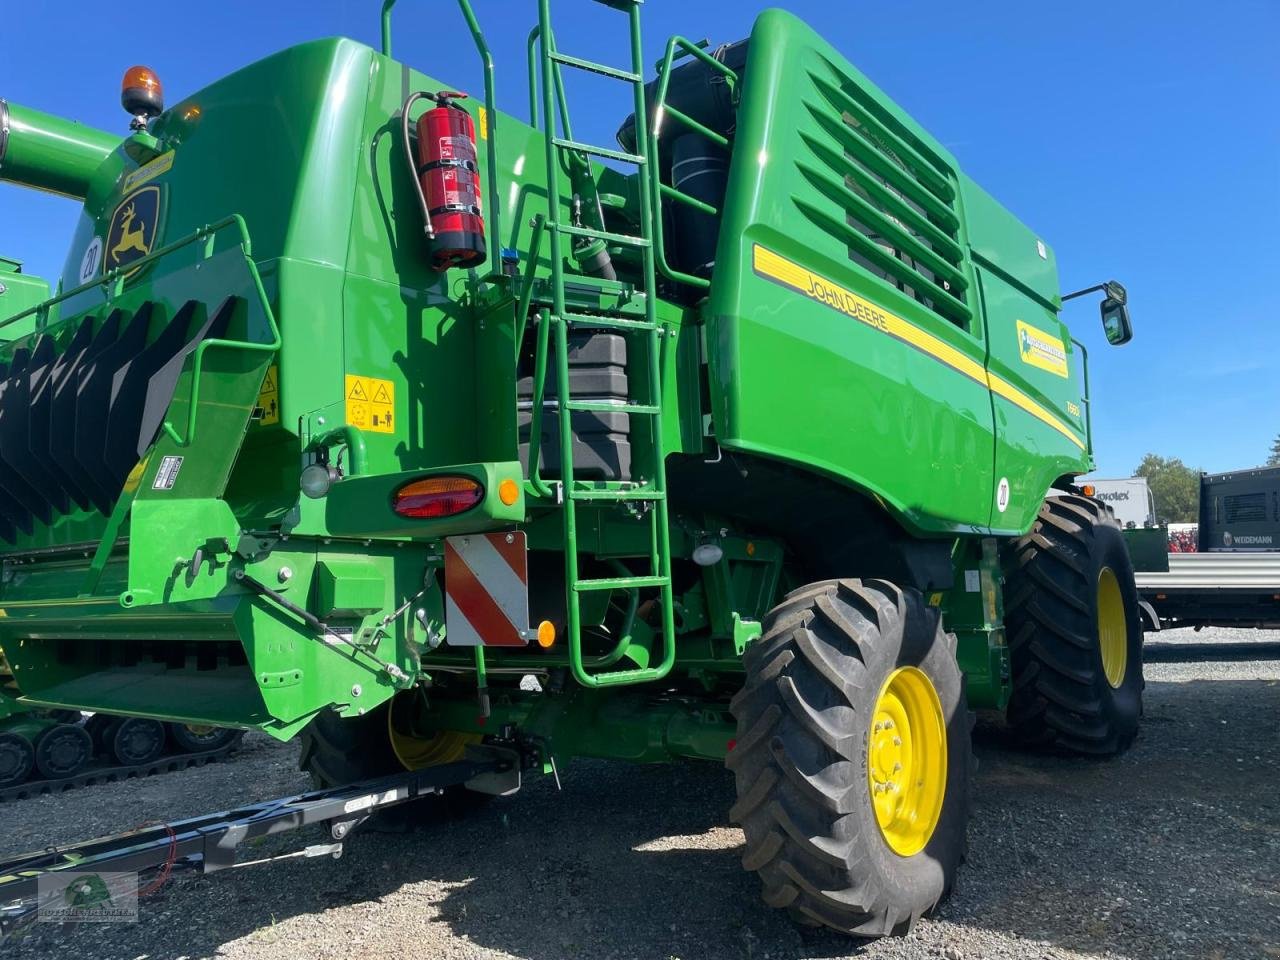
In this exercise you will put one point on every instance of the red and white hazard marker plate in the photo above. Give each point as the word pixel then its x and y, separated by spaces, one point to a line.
pixel 486 590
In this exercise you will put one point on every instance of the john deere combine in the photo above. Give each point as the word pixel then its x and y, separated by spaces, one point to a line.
pixel 751 438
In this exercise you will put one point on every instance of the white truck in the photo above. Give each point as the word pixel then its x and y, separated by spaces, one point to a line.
pixel 1129 497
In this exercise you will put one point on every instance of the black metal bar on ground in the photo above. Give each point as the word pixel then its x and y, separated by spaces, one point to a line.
pixel 210 842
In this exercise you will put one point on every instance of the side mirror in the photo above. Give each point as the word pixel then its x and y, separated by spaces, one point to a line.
pixel 1115 312
pixel 1115 322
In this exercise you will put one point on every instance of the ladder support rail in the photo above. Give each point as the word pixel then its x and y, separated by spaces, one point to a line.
pixel 539 485
pixel 662 110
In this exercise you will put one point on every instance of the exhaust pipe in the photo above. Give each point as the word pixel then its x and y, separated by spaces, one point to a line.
pixel 49 153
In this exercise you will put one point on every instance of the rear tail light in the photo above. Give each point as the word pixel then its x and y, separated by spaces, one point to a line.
pixel 436 497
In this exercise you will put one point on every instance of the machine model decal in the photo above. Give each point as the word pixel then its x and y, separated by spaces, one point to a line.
pixel 371 403
pixel 91 261
pixel 801 279
pixel 132 233
pixel 486 590
pixel 1041 349
pixel 148 171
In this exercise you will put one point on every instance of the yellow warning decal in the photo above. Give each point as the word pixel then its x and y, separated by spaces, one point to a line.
pixel 796 277
pixel 484 124
pixel 269 397
pixel 370 403
pixel 1041 349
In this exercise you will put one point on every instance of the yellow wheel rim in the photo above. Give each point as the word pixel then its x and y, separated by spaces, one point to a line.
pixel 200 729
pixel 907 760
pixel 1113 628
pixel 416 749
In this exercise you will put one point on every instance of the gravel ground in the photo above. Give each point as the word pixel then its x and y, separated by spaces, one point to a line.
pixel 1170 851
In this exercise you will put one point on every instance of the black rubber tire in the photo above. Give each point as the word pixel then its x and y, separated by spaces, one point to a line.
pixel 187 740
pixel 63 750
pixel 1061 697
pixel 136 740
pixel 337 751
pixel 801 754
pixel 17 759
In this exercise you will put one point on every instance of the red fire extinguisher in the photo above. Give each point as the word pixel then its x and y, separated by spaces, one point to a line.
pixel 447 178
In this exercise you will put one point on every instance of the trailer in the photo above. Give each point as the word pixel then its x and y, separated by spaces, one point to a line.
pixel 1232 578
pixel 1240 510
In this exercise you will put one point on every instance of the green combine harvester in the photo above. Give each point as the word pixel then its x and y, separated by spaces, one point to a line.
pixel 367 413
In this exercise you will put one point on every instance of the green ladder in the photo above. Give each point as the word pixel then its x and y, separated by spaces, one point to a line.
pixel 650 495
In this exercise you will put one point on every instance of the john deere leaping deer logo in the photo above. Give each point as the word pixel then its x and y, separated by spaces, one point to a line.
pixel 132 233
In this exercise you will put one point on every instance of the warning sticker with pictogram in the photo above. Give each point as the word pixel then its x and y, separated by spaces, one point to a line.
pixel 269 398
pixel 371 403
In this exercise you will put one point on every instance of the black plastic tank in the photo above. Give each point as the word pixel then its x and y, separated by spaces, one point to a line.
pixel 689 161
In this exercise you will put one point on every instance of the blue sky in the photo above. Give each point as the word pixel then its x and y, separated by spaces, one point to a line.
pixel 1139 138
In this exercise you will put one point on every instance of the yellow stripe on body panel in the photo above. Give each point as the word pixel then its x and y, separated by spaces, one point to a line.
pixel 1014 395
pixel 773 266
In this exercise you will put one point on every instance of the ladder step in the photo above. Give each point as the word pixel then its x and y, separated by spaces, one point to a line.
pixel 619 238
pixel 592 67
pixel 620 583
pixel 612 406
pixel 609 323
pixel 621 155
pixel 642 493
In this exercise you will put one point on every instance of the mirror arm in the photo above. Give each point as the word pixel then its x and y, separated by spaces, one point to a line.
pixel 1081 293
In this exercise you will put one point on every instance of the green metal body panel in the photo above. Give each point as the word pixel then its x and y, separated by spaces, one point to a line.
pixel 19 292
pixel 912 424
pixel 199 600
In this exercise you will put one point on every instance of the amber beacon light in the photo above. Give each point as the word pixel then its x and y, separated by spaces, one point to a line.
pixel 141 95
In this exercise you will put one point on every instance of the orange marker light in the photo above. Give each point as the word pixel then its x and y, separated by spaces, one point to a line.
pixel 546 634
pixel 1089 489
pixel 508 491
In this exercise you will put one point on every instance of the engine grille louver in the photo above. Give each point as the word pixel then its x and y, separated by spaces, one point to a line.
pixel 74 422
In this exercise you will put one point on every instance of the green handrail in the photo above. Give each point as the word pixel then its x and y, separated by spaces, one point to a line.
pixel 536 482
pixel 115 278
pixel 562 100
pixel 490 136
pixel 661 110
pixel 526 289
pixel 1088 407
pixel 197 369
